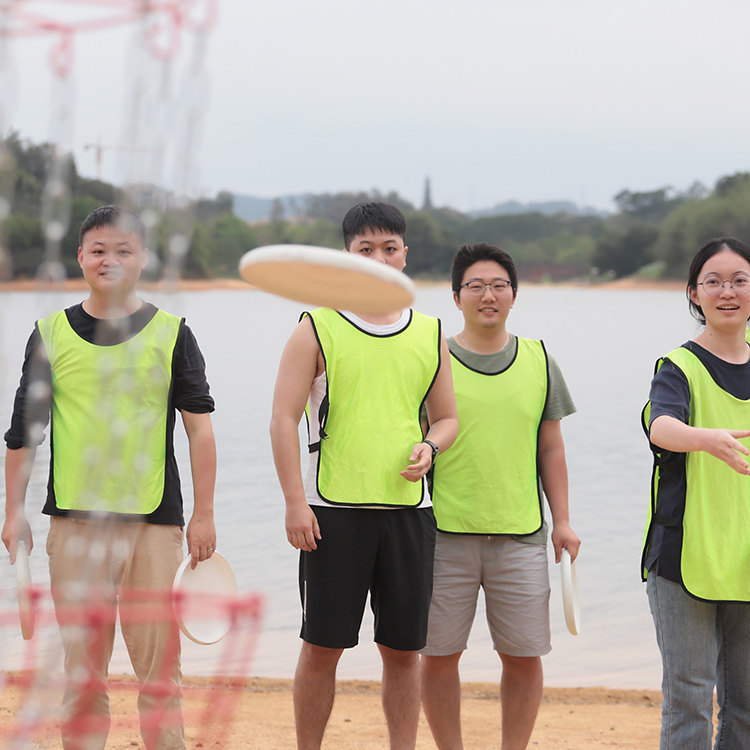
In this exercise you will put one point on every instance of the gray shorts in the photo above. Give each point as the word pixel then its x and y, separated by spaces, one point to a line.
pixel 515 580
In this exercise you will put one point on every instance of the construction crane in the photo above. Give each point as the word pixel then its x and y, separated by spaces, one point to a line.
pixel 98 147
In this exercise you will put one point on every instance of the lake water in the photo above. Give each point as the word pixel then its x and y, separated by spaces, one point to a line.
pixel 606 342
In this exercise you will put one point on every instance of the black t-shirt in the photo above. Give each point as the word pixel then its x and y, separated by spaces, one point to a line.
pixel 189 391
pixel 670 396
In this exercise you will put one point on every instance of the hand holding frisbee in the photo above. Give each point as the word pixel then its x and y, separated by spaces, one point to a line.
pixel 25 597
pixel 324 277
pixel 570 593
pixel 202 598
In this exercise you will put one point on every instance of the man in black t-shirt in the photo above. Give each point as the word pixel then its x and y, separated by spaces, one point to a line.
pixel 112 371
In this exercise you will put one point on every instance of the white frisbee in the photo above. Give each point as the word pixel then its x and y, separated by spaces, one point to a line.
pixel 570 593
pixel 202 599
pixel 25 599
pixel 324 277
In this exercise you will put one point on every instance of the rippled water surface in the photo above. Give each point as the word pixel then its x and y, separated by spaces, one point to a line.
pixel 606 342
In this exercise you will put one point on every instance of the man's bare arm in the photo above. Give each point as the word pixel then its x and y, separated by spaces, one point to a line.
pixel 553 470
pixel 300 363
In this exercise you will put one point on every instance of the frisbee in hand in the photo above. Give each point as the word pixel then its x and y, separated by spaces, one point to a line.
pixel 202 598
pixel 570 593
pixel 25 598
pixel 324 277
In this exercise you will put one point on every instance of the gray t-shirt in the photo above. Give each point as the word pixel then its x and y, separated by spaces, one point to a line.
pixel 559 402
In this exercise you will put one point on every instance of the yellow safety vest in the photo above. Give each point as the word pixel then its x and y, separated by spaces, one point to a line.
pixel 715 519
pixel 369 423
pixel 109 416
pixel 488 482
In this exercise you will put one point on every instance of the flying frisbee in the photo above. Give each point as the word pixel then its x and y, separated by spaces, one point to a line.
pixel 201 599
pixel 570 593
pixel 324 277
pixel 25 599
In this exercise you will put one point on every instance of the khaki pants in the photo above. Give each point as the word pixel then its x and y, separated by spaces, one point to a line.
pixel 96 566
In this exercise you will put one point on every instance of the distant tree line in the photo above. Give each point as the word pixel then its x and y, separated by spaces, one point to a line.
pixel 652 233
pixel 218 238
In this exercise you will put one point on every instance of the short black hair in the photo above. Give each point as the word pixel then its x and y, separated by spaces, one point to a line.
pixel 373 215
pixel 711 248
pixel 468 255
pixel 113 216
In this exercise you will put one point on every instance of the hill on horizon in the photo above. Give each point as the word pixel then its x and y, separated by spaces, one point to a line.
pixel 252 208
pixel 548 208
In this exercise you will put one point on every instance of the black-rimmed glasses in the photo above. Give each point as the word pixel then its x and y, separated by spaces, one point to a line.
pixel 477 288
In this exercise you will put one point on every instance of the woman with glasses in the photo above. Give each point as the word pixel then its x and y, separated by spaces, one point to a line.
pixel 696 557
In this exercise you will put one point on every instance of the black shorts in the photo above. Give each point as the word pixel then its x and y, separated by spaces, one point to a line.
pixel 388 553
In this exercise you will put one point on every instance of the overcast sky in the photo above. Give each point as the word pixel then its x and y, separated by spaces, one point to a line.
pixel 492 99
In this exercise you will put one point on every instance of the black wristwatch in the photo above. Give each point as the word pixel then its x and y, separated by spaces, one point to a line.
pixel 435 449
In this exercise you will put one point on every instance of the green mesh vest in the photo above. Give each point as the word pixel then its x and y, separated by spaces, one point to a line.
pixel 109 416
pixel 487 483
pixel 715 520
pixel 370 421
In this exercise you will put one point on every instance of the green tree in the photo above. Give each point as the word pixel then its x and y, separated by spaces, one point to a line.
pixel 333 206
pixel 25 242
pixel 27 194
pixel 34 159
pixel 229 239
pixel 625 253
pixel 731 184
pixel 205 210
pixel 653 206
pixel 80 208
pixel 320 232
pixel 431 247
pixel 535 239
pixel 724 213
pixel 102 193
pixel 195 264
pixel 24 172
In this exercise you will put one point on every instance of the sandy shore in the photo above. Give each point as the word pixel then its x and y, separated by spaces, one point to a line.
pixel 256 714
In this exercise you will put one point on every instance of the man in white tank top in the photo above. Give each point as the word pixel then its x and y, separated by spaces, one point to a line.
pixel 365 548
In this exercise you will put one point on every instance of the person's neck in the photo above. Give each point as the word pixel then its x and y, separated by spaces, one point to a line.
pixel 731 346
pixel 111 308
pixel 381 320
pixel 484 341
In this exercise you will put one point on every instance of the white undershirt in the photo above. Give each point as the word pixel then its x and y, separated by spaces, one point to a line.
pixel 318 391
